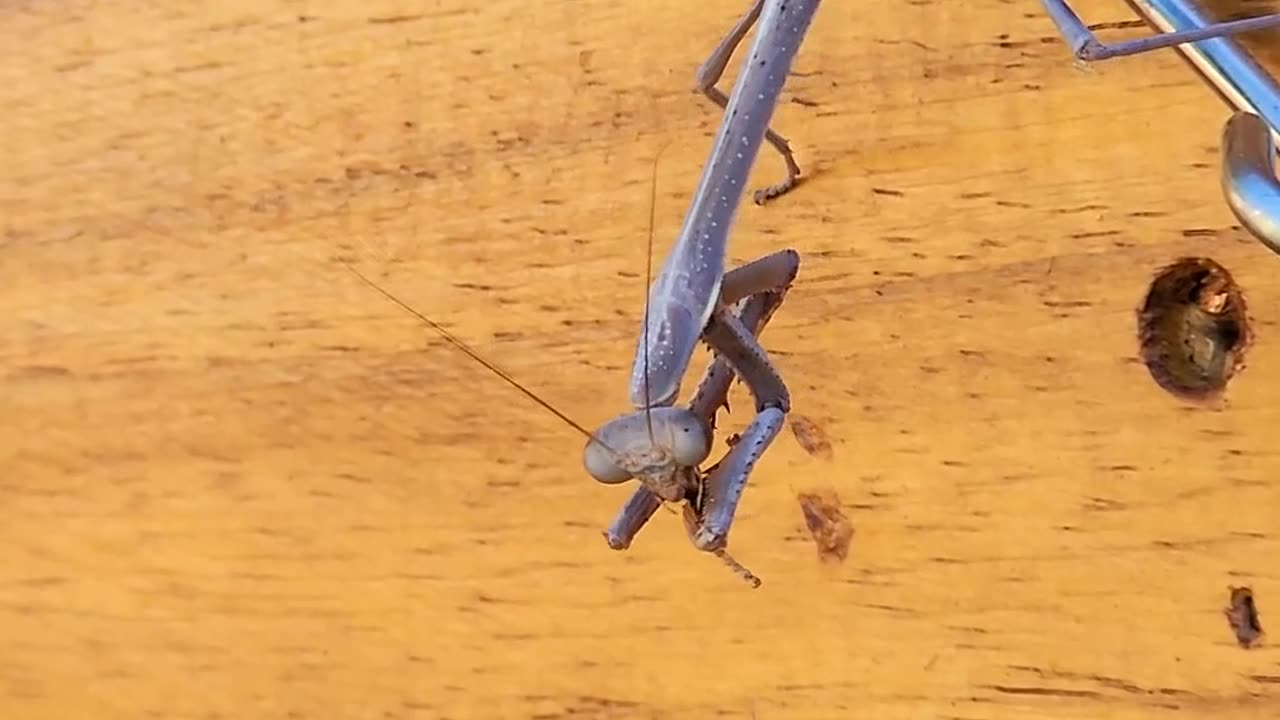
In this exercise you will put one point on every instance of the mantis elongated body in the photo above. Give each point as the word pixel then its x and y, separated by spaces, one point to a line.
pixel 692 299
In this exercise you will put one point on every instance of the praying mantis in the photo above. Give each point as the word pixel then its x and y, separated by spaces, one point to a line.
pixel 694 299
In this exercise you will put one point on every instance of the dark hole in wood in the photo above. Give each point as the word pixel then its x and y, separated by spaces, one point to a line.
pixel 1242 614
pixel 1193 329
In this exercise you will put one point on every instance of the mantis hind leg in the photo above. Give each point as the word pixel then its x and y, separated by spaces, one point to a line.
pixel 710 72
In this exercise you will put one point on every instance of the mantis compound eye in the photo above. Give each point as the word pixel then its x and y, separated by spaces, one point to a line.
pixel 602 465
pixel 679 439
pixel 688 438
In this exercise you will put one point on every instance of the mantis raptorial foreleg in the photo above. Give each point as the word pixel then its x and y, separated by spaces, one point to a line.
pixel 749 296
pixel 710 72
pixel 723 487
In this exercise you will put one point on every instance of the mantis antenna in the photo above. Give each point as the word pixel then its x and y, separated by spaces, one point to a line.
pixel 454 341
pixel 648 281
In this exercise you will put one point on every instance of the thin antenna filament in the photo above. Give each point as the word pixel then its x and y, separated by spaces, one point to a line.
pixel 476 356
pixel 648 283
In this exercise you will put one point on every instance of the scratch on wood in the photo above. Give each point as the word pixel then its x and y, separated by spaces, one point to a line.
pixel 1058 692
pixel 393 19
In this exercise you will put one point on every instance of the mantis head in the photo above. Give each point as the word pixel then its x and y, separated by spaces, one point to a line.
pixel 655 446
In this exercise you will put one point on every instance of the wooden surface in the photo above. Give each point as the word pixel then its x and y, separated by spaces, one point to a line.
pixel 239 484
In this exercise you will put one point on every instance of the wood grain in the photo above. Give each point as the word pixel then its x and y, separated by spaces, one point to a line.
pixel 238 484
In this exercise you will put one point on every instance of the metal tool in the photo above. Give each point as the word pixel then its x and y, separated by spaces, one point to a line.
pixel 1249 137
pixel 693 299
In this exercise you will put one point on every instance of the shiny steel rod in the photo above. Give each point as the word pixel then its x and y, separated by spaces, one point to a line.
pixel 1087 47
pixel 1249 137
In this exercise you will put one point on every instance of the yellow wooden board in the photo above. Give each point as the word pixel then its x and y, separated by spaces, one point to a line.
pixel 239 484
